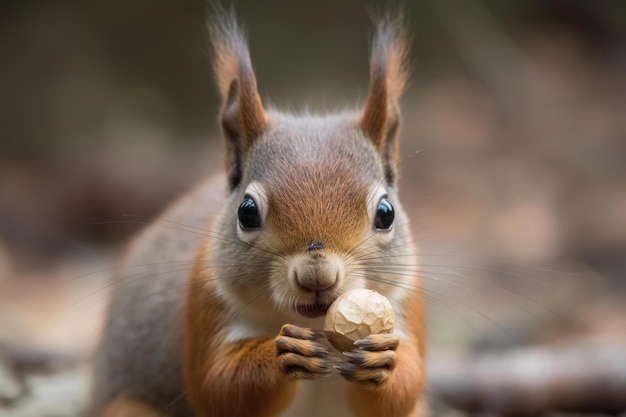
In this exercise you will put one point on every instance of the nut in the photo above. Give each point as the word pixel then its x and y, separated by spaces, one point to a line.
pixel 357 314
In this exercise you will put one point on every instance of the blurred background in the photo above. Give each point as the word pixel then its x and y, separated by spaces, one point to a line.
pixel 513 162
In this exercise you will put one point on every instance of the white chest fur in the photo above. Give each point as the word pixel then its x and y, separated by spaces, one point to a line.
pixel 325 397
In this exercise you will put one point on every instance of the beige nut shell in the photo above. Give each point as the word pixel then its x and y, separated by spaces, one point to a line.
pixel 357 314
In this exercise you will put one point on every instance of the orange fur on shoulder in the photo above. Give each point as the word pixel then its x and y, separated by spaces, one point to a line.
pixel 239 378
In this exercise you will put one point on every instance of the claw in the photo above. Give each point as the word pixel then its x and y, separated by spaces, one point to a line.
pixel 372 360
pixel 301 333
pixel 378 342
pixel 299 356
pixel 301 347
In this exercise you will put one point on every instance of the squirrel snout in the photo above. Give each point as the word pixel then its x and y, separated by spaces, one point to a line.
pixel 317 273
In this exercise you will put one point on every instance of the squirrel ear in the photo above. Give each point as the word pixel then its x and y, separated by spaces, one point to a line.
pixel 242 118
pixel 380 120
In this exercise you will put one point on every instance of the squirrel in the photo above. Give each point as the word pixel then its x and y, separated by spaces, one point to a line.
pixel 219 314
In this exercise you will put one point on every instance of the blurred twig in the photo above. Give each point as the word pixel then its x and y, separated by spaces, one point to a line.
pixel 581 379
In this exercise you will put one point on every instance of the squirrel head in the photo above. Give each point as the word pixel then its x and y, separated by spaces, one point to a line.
pixel 311 198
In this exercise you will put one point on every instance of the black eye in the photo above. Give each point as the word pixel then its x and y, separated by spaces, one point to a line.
pixel 248 215
pixel 384 215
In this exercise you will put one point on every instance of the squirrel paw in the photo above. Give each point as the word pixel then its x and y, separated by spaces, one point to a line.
pixel 299 355
pixel 372 359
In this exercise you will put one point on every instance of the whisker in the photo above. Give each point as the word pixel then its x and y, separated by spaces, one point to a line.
pixel 434 276
pixel 181 286
pixel 128 281
pixel 215 234
pixel 192 230
pixel 468 267
pixel 412 286
pixel 429 296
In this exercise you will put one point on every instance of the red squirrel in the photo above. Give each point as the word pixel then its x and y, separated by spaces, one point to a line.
pixel 220 315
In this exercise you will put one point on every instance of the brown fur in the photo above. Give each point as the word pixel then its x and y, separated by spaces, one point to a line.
pixel 399 395
pixel 242 117
pixel 388 77
pixel 229 379
pixel 236 340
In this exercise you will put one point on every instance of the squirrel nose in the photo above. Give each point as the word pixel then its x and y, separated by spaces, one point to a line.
pixel 315 246
pixel 316 274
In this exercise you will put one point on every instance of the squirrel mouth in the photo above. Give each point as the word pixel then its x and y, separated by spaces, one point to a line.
pixel 312 311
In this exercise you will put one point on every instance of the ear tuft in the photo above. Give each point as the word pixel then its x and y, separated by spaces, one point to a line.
pixel 389 73
pixel 242 117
